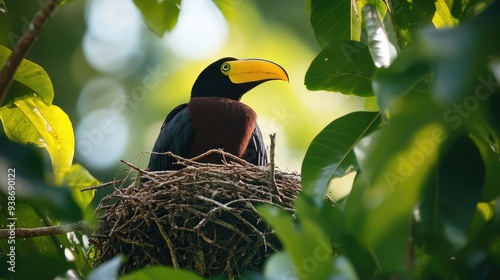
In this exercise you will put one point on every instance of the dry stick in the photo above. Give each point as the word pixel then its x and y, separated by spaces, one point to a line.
pixel 103 185
pixel 82 226
pixel 24 45
pixel 175 263
pixel 272 179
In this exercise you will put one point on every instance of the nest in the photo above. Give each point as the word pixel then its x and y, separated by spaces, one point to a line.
pixel 202 217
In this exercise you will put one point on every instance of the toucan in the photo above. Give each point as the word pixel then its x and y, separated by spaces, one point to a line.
pixel 214 117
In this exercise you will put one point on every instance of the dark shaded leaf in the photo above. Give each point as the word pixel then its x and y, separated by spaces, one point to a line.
pixel 346 67
pixel 35 258
pixel 403 76
pixel 410 17
pixel 30 186
pixel 448 202
pixel 330 155
pixel 335 21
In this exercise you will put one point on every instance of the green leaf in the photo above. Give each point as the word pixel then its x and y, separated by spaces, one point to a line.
pixel 410 17
pixel 77 177
pixel 27 164
pixel 346 67
pixel 108 270
pixel 406 74
pixel 394 163
pixel 32 121
pixel 278 265
pixel 160 272
pixel 330 155
pixel 160 16
pixel 487 147
pixel 35 258
pixel 335 21
pixel 456 61
pixel 302 242
pixel 381 49
pixel 448 202
pixel 443 16
pixel 31 76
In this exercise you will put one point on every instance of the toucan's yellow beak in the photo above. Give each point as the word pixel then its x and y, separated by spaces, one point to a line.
pixel 253 70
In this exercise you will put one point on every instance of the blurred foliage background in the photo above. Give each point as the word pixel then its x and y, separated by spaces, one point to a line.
pixel 117 81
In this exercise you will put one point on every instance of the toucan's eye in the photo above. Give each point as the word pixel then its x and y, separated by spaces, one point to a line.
pixel 225 67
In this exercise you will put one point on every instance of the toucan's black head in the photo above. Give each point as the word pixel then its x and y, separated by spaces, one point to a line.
pixel 231 78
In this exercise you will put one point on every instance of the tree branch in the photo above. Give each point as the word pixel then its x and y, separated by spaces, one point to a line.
pixel 81 226
pixel 24 45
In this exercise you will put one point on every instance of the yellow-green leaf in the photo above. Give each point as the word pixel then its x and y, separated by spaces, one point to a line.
pixel 29 75
pixel 443 16
pixel 30 120
pixel 77 177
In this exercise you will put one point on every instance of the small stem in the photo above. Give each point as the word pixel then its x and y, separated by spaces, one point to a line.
pixel 82 226
pixel 272 178
pixel 24 45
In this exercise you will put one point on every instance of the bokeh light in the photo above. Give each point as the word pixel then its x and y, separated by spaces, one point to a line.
pixel 112 41
pixel 201 30
pixel 101 138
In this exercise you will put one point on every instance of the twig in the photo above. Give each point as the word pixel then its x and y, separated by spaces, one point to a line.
pixel 171 248
pixel 24 45
pixel 81 226
pixel 103 185
pixel 272 179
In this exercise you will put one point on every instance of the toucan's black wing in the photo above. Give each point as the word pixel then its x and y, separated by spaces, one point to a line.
pixel 256 149
pixel 175 137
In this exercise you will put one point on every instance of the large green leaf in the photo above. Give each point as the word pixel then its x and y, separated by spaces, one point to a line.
pixel 403 76
pixel 304 243
pixel 456 60
pixel 335 21
pixel 346 67
pixel 394 162
pixel 160 272
pixel 160 16
pixel 330 155
pixel 449 201
pixel 30 120
pixel 31 76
